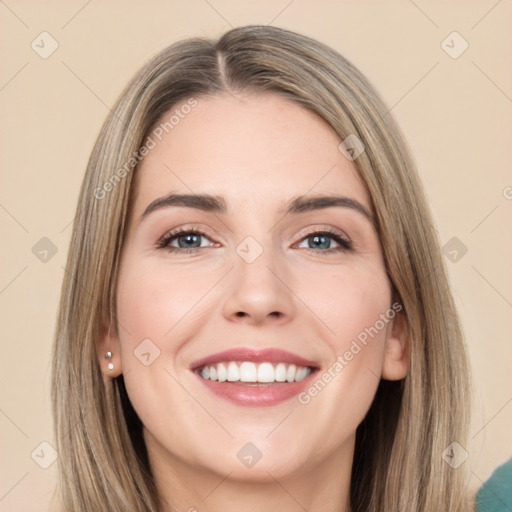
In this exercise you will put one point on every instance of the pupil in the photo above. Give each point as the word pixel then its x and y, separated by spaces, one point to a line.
pixel 317 241
pixel 189 239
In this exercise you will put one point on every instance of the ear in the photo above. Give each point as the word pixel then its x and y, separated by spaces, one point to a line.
pixel 397 350
pixel 109 343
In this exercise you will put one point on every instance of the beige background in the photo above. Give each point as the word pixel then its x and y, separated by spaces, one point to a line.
pixel 456 114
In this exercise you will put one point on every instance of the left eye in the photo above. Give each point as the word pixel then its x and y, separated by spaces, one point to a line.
pixel 322 241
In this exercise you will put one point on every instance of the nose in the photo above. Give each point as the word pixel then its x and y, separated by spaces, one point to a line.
pixel 259 292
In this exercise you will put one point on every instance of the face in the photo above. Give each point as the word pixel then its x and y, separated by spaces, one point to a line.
pixel 255 267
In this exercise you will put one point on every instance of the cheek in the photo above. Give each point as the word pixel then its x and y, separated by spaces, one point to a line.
pixel 349 302
pixel 157 308
pixel 154 307
pixel 156 302
pixel 354 306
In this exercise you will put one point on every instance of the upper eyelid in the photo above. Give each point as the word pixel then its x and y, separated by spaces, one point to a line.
pixel 330 231
pixel 180 231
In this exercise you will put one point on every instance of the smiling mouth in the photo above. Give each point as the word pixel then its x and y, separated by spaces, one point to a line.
pixel 248 373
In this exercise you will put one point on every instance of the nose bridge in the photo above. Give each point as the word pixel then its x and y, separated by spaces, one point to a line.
pixel 257 288
pixel 254 262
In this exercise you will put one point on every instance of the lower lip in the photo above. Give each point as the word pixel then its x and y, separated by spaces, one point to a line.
pixel 257 394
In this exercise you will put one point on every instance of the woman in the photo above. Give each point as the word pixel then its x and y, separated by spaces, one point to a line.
pixel 255 313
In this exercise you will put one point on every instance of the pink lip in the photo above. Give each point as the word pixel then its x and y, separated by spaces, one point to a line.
pixel 271 355
pixel 257 394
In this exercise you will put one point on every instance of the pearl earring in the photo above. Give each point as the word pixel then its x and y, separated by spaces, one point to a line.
pixel 108 355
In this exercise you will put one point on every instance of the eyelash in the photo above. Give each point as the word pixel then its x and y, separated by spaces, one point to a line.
pixel 344 244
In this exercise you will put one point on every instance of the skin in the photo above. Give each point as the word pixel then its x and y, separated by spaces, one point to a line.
pixel 258 152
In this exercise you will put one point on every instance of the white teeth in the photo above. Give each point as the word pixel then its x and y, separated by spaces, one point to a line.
pixel 233 373
pixel 222 373
pixel 265 372
pixel 290 373
pixel 247 371
pixel 280 372
pixel 300 373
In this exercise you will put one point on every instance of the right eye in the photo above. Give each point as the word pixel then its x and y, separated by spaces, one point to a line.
pixel 183 240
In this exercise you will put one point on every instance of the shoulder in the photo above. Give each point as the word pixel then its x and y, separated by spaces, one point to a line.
pixel 495 495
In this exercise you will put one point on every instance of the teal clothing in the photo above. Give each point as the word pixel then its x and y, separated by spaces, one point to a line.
pixel 495 495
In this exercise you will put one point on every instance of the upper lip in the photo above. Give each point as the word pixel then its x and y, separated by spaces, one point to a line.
pixel 271 355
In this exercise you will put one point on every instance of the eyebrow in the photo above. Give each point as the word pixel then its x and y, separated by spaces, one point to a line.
pixel 217 204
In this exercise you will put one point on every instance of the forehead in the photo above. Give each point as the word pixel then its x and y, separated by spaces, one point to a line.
pixel 248 148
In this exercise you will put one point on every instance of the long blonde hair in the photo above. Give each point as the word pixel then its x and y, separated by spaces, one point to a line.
pixel 398 463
